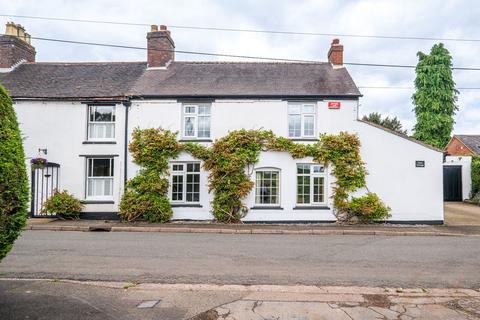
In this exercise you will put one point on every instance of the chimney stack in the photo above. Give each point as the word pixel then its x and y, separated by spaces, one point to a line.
pixel 335 54
pixel 160 47
pixel 15 46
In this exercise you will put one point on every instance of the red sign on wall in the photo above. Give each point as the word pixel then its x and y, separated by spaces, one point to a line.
pixel 333 105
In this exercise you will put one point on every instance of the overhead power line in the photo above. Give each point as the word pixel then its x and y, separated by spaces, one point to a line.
pixel 278 32
pixel 235 55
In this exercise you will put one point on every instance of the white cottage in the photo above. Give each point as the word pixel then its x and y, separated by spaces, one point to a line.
pixel 80 117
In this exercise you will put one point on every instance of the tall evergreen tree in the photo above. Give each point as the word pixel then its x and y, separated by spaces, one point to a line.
pixel 435 97
pixel 390 123
pixel 13 176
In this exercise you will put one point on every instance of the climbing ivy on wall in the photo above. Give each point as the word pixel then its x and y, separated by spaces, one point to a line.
pixel 227 161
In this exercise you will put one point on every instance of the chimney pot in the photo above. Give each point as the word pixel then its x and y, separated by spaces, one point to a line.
pixel 153 28
pixel 335 54
pixel 163 27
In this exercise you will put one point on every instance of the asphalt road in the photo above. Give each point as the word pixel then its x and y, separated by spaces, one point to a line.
pixel 247 259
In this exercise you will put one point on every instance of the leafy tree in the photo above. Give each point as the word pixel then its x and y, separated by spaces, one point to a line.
pixel 435 97
pixel 13 176
pixel 390 123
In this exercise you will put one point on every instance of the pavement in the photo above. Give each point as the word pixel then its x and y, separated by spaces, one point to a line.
pixel 461 219
pixel 65 299
pixel 253 259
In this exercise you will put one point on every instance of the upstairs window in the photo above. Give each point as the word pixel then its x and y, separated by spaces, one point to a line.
pixel 99 178
pixel 196 121
pixel 311 184
pixel 101 122
pixel 301 120
pixel 185 182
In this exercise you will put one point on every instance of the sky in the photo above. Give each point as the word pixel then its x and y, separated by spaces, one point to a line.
pixel 416 18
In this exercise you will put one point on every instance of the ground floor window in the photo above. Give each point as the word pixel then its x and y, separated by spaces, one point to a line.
pixel 185 182
pixel 310 184
pixel 99 178
pixel 267 187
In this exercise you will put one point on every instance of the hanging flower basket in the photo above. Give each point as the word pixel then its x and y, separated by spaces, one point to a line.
pixel 38 163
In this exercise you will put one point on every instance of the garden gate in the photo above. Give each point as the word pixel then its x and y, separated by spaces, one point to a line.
pixel 44 182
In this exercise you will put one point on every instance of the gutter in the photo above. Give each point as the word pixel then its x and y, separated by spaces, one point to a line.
pixel 127 105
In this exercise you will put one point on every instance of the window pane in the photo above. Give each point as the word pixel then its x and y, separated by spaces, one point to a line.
pixel 308 108
pixel 318 189
pixel 204 127
pixel 294 125
pixel 303 189
pixel 189 126
pixel 308 126
pixel 177 188
pixel 267 187
pixel 177 167
pixel 204 110
pixel 303 168
pixel 190 109
pixel 102 113
pixel 294 108
pixel 99 187
pixel 318 169
pixel 101 168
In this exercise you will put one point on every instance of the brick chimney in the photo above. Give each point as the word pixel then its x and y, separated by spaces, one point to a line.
pixel 335 54
pixel 15 46
pixel 160 47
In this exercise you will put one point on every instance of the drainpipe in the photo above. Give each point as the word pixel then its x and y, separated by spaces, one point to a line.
pixel 127 105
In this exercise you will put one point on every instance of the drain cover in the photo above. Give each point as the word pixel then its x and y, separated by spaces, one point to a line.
pixel 148 304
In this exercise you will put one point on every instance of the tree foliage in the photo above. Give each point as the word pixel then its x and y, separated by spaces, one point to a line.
pixel 227 161
pixel 435 97
pixel 389 123
pixel 14 192
pixel 475 173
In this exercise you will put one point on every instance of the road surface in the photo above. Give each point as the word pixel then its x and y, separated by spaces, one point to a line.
pixel 401 261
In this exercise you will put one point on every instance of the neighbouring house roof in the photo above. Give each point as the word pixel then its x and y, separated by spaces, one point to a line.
pixel 86 80
pixel 47 80
pixel 471 141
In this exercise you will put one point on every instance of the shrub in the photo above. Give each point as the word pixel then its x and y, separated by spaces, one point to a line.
pixel 369 207
pixel 14 192
pixel 64 205
pixel 149 206
pixel 475 174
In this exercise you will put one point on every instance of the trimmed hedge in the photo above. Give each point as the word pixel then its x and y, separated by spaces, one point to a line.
pixel 475 174
pixel 14 191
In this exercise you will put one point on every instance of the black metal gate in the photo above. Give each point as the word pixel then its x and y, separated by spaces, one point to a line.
pixel 44 182
pixel 452 183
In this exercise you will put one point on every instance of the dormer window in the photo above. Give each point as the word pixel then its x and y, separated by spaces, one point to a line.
pixel 196 121
pixel 301 120
pixel 101 122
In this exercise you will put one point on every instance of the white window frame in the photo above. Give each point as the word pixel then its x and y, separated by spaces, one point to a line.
pixel 183 173
pixel 195 116
pixel 90 122
pixel 303 114
pixel 111 177
pixel 268 169
pixel 312 176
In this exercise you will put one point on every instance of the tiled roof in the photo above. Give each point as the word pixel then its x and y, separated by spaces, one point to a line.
pixel 180 79
pixel 472 141
pixel 72 80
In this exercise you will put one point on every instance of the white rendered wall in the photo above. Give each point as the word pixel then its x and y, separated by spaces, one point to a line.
pixel 61 128
pixel 466 163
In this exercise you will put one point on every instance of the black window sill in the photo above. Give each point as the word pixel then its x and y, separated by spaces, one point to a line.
pixel 266 208
pixel 311 208
pixel 97 202
pixel 99 142
pixel 186 205
pixel 304 139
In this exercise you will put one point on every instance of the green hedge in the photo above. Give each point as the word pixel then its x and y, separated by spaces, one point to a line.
pixel 14 191
pixel 475 176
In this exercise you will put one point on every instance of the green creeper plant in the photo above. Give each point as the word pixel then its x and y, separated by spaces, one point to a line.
pixel 227 161
pixel 14 191
pixel 435 97
pixel 64 205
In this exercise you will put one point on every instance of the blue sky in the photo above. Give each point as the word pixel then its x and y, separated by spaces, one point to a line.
pixel 454 19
